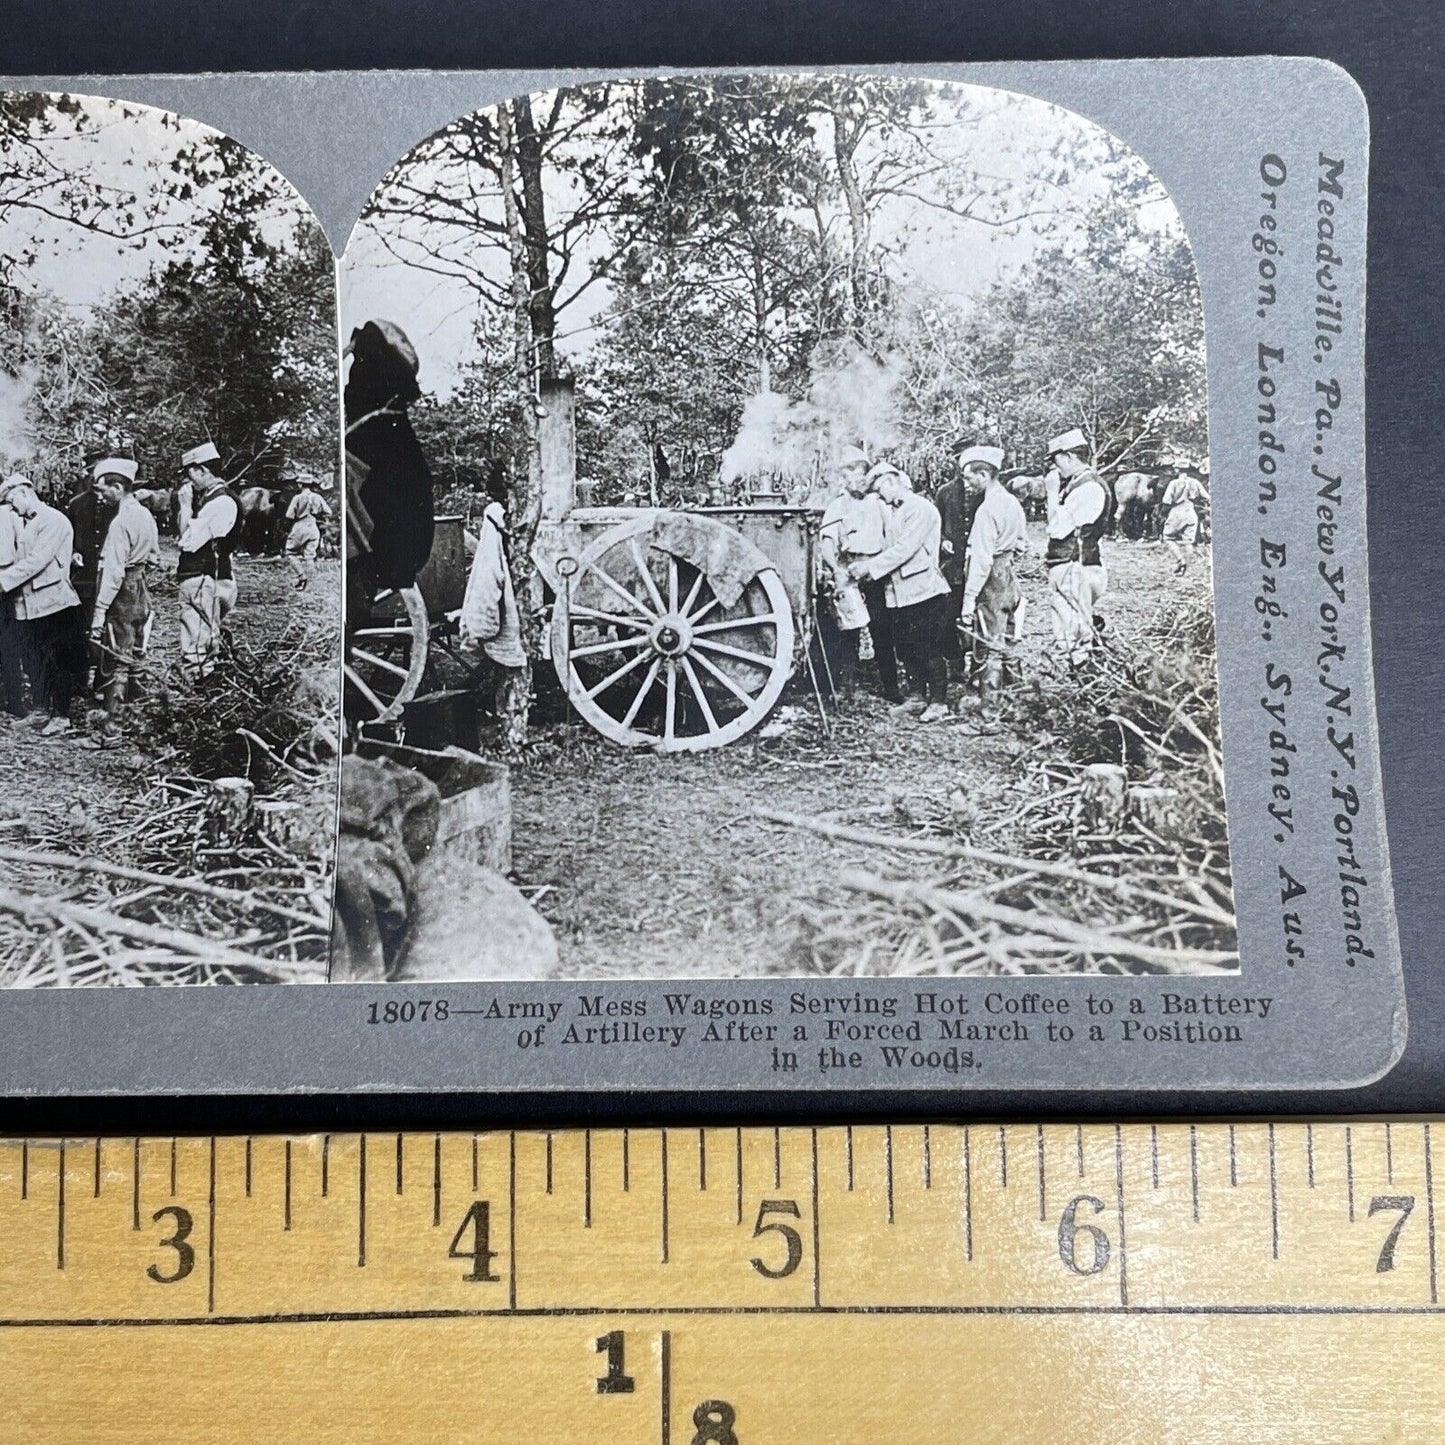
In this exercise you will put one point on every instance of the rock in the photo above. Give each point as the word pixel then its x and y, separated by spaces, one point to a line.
pixel 468 922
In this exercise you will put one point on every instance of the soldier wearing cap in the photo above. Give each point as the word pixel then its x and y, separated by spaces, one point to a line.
pixel 852 527
pixel 121 621
pixel 47 608
pixel 12 670
pixel 1079 504
pixel 205 582
pixel 990 613
pixel 915 592
pixel 1181 519
pixel 956 501
pixel 303 540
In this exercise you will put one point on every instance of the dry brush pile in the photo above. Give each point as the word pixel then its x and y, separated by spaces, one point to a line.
pixel 1111 855
pixel 218 869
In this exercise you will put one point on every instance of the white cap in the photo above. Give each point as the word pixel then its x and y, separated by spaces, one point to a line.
pixel 883 469
pixel 116 467
pixel 990 456
pixel 199 456
pixel 1070 441
pixel 15 479
pixel 853 457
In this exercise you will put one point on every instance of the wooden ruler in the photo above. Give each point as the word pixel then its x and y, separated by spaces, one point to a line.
pixel 1254 1282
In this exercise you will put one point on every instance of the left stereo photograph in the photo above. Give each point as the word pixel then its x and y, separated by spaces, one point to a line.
pixel 170 574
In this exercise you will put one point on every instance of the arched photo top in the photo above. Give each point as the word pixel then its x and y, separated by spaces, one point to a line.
pixel 162 285
pixel 876 257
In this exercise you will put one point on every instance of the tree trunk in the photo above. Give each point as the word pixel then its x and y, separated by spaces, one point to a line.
pixel 540 301
pixel 760 324
pixel 845 145
pixel 526 496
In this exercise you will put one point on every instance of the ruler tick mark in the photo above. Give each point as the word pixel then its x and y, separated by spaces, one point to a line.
pixel 549 1163
pixel 967 1199
pixel 702 1158
pixel 1310 1154
pixel 286 1206
pixel 398 1164
pixel 1154 1155
pixel 173 1166
pixel 134 1185
pixel 1078 1146
pixel 848 1144
pixel 1194 1171
pixel 1043 1206
pixel 664 1196
pixel 626 1169
pixel 1273 1200
pixel 60 1211
pixel 361 1204
pixel 476 1164
pixel 1002 1158
pixel 927 1158
pixel 248 1166
pixel 1389 1157
pixel 211 1228
pixel 436 1180
pixel 25 1168
pixel 325 1165
pixel 95 1192
pixel 888 1166
pixel 587 1179
pixel 665 1390
pixel 777 1158
pixel 512 1218
pixel 1233 1161
pixel 1350 1171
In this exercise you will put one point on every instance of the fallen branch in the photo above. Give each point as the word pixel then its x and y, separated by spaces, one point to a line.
pixel 940 849
pixel 141 875
pixel 77 915
pixel 1085 940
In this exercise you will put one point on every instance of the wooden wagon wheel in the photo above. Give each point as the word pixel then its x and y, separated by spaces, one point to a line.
pixel 386 658
pixel 650 655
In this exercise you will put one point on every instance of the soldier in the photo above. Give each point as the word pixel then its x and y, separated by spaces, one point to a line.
pixel 1181 520
pixel 206 586
pixel 90 515
pixel 915 592
pixel 304 538
pixel 992 605
pixel 956 504
pixel 12 672
pixel 121 622
pixel 851 527
pixel 46 606
pixel 1079 505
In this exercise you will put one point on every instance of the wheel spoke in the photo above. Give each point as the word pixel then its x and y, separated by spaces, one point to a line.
pixel 737 689
pixel 648 581
pixel 383 663
pixel 756 659
pixel 702 612
pixel 671 583
pixel 617 675
pixel 753 620
pixel 592 649
pixel 359 684
pixel 399 629
pixel 669 726
pixel 692 593
pixel 635 706
pixel 592 614
pixel 701 696
pixel 610 581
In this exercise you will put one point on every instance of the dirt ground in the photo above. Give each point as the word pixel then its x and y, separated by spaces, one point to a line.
pixel 651 865
pixel 44 780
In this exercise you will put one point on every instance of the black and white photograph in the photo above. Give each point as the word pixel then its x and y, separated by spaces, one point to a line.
pixel 170 574
pixel 778 543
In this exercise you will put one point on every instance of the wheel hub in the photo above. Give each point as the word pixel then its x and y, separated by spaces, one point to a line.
pixel 670 635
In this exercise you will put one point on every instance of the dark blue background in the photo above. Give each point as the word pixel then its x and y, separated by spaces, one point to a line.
pixel 1392 50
